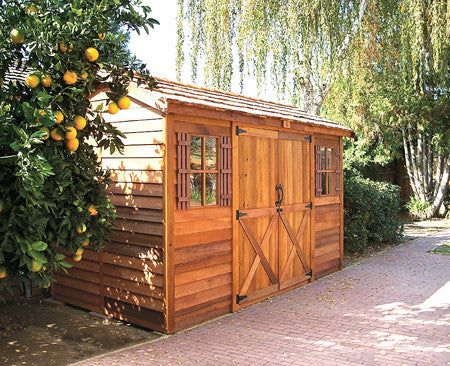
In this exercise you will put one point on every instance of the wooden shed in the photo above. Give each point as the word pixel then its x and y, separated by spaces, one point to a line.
pixel 222 201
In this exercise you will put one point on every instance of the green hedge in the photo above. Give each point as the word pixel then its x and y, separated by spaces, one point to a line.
pixel 371 213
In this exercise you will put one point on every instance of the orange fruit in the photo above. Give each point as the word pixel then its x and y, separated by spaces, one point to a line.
pixel 72 145
pixel 85 243
pixel 79 252
pixel 84 75
pixel 59 116
pixel 3 273
pixel 31 9
pixel 77 258
pixel 47 133
pixel 55 135
pixel 124 102
pixel 80 122
pixel 91 54
pixel 32 81
pixel 46 81
pixel 92 210
pixel 35 266
pixel 70 77
pixel 65 48
pixel 71 133
pixel 113 108
pixel 42 113
pixel 101 35
pixel 81 228
pixel 17 36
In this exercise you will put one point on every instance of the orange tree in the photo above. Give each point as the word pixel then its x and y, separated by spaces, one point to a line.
pixel 53 196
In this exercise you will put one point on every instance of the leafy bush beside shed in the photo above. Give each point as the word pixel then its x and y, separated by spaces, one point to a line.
pixel 371 212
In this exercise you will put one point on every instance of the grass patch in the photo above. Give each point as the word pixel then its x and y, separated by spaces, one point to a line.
pixel 442 249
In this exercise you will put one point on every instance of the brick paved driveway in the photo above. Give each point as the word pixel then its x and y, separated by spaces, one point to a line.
pixel 392 309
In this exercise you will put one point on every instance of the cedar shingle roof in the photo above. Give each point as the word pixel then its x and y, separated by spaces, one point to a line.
pixel 193 95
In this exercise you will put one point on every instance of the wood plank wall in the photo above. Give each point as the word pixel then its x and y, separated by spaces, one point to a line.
pixel 327 251
pixel 202 248
pixel 126 280
pixel 328 225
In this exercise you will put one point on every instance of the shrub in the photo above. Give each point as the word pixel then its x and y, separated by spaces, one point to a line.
pixel 418 209
pixel 371 213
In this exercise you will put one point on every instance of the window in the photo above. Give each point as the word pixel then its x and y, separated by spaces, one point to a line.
pixel 203 171
pixel 328 171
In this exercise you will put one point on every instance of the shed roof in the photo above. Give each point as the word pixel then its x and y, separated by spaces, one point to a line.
pixel 167 91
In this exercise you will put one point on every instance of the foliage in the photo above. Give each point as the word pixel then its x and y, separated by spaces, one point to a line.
pixel 393 90
pixel 49 193
pixel 442 249
pixel 418 208
pixel 295 44
pixel 371 212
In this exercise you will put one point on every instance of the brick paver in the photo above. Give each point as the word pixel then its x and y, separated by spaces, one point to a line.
pixel 392 309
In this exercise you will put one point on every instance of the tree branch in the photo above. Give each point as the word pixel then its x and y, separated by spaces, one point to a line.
pixel 344 47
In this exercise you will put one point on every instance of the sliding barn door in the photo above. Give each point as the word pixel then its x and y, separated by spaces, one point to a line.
pixel 257 217
pixel 295 213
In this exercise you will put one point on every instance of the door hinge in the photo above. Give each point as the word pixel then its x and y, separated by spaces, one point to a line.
pixel 240 214
pixel 240 298
pixel 307 138
pixel 309 205
pixel 240 130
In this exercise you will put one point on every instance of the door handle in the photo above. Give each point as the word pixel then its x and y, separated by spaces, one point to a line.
pixel 280 195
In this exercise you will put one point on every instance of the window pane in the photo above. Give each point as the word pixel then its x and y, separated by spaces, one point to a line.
pixel 196 153
pixel 330 183
pixel 322 158
pixel 211 189
pixel 324 183
pixel 211 153
pixel 329 158
pixel 196 189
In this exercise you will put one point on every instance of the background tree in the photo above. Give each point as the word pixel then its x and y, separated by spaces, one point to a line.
pixel 393 88
pixel 53 198
pixel 380 66
pixel 295 44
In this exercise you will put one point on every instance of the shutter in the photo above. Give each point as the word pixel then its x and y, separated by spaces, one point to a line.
pixel 337 158
pixel 225 171
pixel 318 174
pixel 183 158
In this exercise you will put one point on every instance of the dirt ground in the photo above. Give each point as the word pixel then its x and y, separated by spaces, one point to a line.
pixel 39 333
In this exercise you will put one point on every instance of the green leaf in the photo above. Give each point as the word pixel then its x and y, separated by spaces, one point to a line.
pixel 38 256
pixel 39 246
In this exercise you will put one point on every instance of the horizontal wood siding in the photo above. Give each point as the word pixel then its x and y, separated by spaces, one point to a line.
pixel 202 250
pixel 327 250
pixel 126 280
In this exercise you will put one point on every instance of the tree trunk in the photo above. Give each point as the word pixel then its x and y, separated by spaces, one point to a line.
pixel 427 185
pixel 442 187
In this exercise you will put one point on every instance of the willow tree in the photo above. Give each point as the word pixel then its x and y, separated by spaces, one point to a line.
pixel 394 89
pixel 295 45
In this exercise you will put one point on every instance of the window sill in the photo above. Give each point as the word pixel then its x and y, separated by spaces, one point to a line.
pixel 327 200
